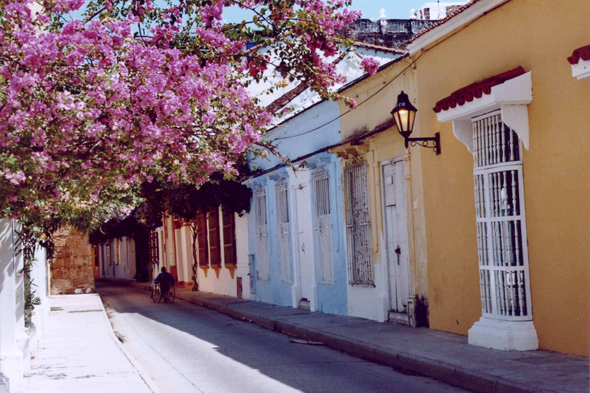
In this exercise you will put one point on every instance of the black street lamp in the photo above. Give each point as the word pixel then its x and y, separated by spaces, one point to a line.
pixel 404 114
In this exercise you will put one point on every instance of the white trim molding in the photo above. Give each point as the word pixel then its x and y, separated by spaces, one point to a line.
pixel 511 97
pixel 581 70
pixel 470 14
pixel 504 335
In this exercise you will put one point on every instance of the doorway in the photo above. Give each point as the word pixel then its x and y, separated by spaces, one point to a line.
pixel 396 233
pixel 305 250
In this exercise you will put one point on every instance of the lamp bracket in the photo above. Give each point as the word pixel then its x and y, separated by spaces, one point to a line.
pixel 430 143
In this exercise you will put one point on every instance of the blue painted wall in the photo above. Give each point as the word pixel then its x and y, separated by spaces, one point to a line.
pixel 274 290
pixel 332 298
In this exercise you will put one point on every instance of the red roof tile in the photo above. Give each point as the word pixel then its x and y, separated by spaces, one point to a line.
pixel 580 53
pixel 442 21
pixel 476 90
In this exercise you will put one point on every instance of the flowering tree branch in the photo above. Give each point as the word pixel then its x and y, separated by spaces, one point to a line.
pixel 90 111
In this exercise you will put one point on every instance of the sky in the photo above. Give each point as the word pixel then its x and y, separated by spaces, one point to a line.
pixel 371 9
pixel 394 9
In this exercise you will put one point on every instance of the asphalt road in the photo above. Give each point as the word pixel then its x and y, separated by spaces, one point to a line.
pixel 186 348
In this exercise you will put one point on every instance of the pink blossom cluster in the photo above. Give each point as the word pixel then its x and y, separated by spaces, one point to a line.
pixel 370 65
pixel 88 111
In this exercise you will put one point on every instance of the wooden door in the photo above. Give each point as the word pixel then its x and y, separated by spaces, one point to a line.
pixel 396 232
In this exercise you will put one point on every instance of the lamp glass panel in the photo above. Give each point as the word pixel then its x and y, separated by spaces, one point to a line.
pixel 403 115
pixel 396 118
pixel 412 117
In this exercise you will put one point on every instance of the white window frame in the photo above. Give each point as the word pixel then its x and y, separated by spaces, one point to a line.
pixel 511 98
pixel 322 223
pixel 284 230
pixel 581 70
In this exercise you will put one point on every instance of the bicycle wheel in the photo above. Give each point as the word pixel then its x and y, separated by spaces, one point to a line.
pixel 156 295
pixel 171 295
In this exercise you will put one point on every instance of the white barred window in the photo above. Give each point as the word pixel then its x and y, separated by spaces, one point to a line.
pixel 322 224
pixel 501 224
pixel 283 225
pixel 358 225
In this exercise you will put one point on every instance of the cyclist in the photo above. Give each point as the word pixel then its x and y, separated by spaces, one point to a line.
pixel 166 281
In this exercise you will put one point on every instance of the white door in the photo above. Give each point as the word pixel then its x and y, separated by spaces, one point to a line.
pixel 305 240
pixel 396 231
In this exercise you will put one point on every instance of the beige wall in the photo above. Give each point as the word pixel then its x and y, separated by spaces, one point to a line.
pixel 538 36
pixel 385 146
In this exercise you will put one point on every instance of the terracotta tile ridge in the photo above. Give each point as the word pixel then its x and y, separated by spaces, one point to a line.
pixel 476 90
pixel 582 53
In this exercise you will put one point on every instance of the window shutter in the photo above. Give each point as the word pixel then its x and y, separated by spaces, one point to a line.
pixel 95 249
pixel 153 247
pixel 322 223
pixel 214 238
pixel 283 229
pixel 202 240
pixel 229 238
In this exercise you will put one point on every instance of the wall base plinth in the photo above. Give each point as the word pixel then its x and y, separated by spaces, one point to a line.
pixel 504 335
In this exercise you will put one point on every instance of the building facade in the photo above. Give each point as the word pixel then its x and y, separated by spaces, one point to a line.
pixel 295 222
pixel 506 203
pixel 383 203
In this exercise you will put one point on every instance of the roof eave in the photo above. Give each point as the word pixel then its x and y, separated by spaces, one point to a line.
pixel 471 13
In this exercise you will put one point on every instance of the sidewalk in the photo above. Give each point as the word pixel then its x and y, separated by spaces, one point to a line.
pixel 78 352
pixel 442 356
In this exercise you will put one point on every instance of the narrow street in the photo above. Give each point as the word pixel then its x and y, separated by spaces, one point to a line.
pixel 186 348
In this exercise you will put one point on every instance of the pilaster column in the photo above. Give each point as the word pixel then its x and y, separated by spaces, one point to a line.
pixel 11 357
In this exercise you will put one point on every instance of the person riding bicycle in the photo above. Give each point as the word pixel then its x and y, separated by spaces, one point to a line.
pixel 165 279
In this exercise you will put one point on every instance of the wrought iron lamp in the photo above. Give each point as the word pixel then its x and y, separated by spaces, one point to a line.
pixel 404 114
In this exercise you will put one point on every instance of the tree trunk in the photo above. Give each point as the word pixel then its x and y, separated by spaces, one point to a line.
pixel 195 252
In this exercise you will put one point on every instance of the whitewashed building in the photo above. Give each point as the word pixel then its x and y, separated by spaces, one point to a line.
pixel 18 339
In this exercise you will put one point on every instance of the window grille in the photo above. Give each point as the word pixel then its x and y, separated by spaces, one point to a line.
pixel 229 239
pixel 214 238
pixel 501 224
pixel 283 226
pixel 261 234
pixel 202 240
pixel 322 224
pixel 358 225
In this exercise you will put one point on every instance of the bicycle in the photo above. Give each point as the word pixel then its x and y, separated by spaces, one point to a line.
pixel 168 297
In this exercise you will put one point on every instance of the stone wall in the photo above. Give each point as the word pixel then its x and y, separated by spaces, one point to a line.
pixel 392 33
pixel 71 267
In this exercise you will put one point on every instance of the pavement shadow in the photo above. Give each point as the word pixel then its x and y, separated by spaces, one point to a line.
pixel 303 367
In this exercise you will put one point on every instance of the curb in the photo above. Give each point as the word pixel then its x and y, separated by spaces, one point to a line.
pixel 142 373
pixel 407 363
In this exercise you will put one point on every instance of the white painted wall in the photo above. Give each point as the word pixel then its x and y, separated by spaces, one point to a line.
pixel 122 259
pixel 16 341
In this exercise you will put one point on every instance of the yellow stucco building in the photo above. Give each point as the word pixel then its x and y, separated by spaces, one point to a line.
pixel 382 186
pixel 498 224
